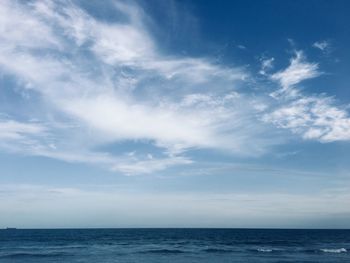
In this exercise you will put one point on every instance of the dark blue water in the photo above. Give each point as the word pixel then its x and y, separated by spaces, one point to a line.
pixel 174 245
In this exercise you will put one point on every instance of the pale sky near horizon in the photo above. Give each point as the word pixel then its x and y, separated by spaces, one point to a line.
pixel 169 113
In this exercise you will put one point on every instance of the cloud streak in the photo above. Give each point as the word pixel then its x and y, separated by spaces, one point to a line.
pixel 113 207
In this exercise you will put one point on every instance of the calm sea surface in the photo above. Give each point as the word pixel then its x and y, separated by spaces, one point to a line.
pixel 174 245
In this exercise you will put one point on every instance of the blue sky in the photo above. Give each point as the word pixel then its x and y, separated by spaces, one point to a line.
pixel 174 113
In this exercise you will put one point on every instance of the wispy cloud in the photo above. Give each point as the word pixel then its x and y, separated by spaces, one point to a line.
pixel 312 116
pixel 324 46
pixel 266 65
pixel 22 137
pixel 111 80
pixel 298 71
pixel 10 129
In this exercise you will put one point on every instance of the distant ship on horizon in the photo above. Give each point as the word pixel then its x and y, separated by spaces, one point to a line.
pixel 10 228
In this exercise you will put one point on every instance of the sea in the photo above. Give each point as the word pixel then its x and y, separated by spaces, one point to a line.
pixel 173 245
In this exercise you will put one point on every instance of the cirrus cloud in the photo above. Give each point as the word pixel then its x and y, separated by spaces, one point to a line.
pixel 109 82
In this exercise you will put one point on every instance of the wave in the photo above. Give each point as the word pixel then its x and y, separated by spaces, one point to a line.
pixel 264 250
pixel 216 250
pixel 163 251
pixel 334 250
pixel 32 255
pixel 282 243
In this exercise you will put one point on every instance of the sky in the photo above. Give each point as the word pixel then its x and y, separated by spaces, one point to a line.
pixel 182 113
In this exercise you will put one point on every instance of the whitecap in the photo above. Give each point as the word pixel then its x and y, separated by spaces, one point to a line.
pixel 264 250
pixel 334 250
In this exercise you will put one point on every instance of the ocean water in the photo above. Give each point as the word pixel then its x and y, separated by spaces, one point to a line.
pixel 174 245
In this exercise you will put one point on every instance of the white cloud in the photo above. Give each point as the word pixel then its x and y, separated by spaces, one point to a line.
pixel 111 82
pixel 22 137
pixel 266 65
pixel 311 116
pixel 149 165
pixel 298 71
pixel 324 45
pixel 15 22
pixel 10 129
